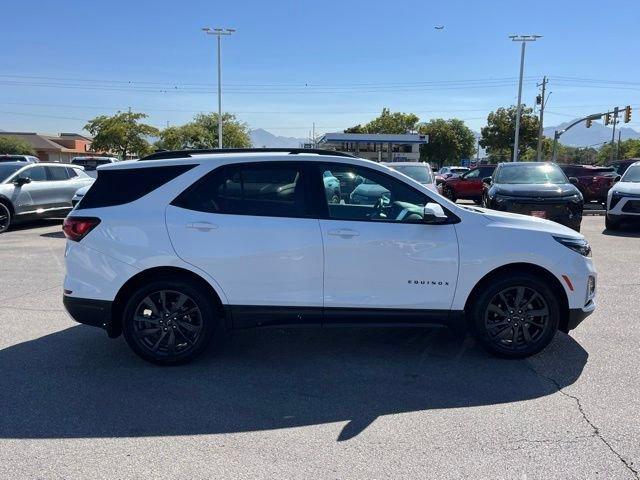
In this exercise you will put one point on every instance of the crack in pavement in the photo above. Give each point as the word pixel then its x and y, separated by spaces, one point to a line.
pixel 596 430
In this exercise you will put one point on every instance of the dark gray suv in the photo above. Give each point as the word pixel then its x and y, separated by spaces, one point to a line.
pixel 37 190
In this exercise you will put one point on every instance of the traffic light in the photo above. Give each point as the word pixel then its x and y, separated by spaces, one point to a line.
pixel 607 118
pixel 589 122
pixel 627 114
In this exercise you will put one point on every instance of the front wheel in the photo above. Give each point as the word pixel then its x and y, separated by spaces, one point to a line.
pixel 5 218
pixel 169 321
pixel 515 317
pixel 449 193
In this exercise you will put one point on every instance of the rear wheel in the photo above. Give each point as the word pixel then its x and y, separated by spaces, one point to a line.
pixel 515 317
pixel 169 322
pixel 5 217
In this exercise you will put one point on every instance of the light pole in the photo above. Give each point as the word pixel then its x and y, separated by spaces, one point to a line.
pixel 523 39
pixel 219 32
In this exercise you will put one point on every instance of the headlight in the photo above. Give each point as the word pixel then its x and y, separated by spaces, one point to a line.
pixel 578 245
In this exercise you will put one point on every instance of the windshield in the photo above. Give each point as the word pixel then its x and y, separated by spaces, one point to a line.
pixel 632 174
pixel 7 170
pixel 530 174
pixel 420 173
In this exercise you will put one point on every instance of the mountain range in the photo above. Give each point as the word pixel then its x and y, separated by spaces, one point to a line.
pixel 261 138
pixel 597 134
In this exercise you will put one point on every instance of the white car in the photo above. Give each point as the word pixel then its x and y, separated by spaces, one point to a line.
pixel 419 171
pixel 176 248
pixel 623 199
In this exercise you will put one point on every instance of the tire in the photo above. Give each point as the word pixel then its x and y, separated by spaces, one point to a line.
pixel 5 217
pixel 611 224
pixel 449 193
pixel 164 338
pixel 507 331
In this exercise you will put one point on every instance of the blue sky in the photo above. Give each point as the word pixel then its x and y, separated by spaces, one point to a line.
pixel 291 63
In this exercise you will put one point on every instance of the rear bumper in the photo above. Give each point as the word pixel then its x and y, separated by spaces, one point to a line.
pixel 88 311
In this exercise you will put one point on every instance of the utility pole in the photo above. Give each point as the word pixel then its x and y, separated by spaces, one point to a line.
pixel 540 122
pixel 477 150
pixel 523 39
pixel 313 128
pixel 219 32
pixel 618 144
pixel 613 134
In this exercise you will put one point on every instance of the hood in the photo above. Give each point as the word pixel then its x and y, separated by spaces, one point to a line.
pixel 542 190
pixel 526 222
pixel 627 187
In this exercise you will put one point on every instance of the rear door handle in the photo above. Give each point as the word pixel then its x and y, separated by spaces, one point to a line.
pixel 202 226
pixel 343 232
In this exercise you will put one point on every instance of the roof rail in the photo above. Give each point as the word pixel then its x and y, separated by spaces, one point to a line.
pixel 165 154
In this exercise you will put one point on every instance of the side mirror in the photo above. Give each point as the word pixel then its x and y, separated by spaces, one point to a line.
pixel 434 214
pixel 573 180
pixel 617 179
pixel 487 180
pixel 20 181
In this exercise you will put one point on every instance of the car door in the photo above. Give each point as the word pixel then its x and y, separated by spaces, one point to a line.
pixel 382 255
pixel 470 184
pixel 62 187
pixel 32 197
pixel 252 228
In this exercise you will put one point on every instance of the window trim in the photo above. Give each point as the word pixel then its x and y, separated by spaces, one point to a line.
pixel 323 207
pixel 303 168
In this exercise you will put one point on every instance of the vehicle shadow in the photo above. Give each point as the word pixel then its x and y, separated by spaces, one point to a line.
pixel 39 223
pixel 76 383
pixel 627 231
pixel 53 235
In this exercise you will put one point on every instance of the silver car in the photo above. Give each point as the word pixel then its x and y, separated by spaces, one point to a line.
pixel 29 191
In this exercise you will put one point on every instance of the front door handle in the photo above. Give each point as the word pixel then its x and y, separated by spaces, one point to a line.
pixel 202 226
pixel 343 232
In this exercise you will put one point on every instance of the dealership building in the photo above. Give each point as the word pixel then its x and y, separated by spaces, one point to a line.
pixel 376 147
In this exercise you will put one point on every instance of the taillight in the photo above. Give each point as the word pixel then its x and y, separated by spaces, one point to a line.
pixel 76 228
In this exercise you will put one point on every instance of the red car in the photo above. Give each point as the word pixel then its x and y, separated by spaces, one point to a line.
pixel 467 186
pixel 593 182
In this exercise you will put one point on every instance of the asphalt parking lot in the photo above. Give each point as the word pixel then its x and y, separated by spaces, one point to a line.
pixel 315 403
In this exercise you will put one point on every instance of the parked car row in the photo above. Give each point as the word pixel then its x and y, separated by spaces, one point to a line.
pixel 37 190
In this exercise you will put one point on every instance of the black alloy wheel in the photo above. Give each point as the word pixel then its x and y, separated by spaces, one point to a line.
pixel 168 322
pixel 516 317
pixel 5 218
pixel 448 192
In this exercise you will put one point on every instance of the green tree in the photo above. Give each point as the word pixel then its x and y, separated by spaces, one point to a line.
pixel 15 146
pixel 497 137
pixel 629 148
pixel 389 123
pixel 122 133
pixel 449 141
pixel 202 132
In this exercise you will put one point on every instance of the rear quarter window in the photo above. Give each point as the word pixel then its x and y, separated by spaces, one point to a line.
pixel 121 186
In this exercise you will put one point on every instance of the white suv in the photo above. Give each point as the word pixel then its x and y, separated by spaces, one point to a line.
pixel 176 248
pixel 623 199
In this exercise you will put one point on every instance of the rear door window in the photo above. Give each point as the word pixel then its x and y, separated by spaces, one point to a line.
pixel 57 173
pixel 271 189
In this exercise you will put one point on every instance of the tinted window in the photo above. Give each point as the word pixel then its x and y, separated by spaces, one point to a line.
pixel 420 173
pixel 72 172
pixel 57 173
pixel 632 174
pixel 262 189
pixel 472 174
pixel 36 174
pixel 378 197
pixel 117 187
pixel 531 174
